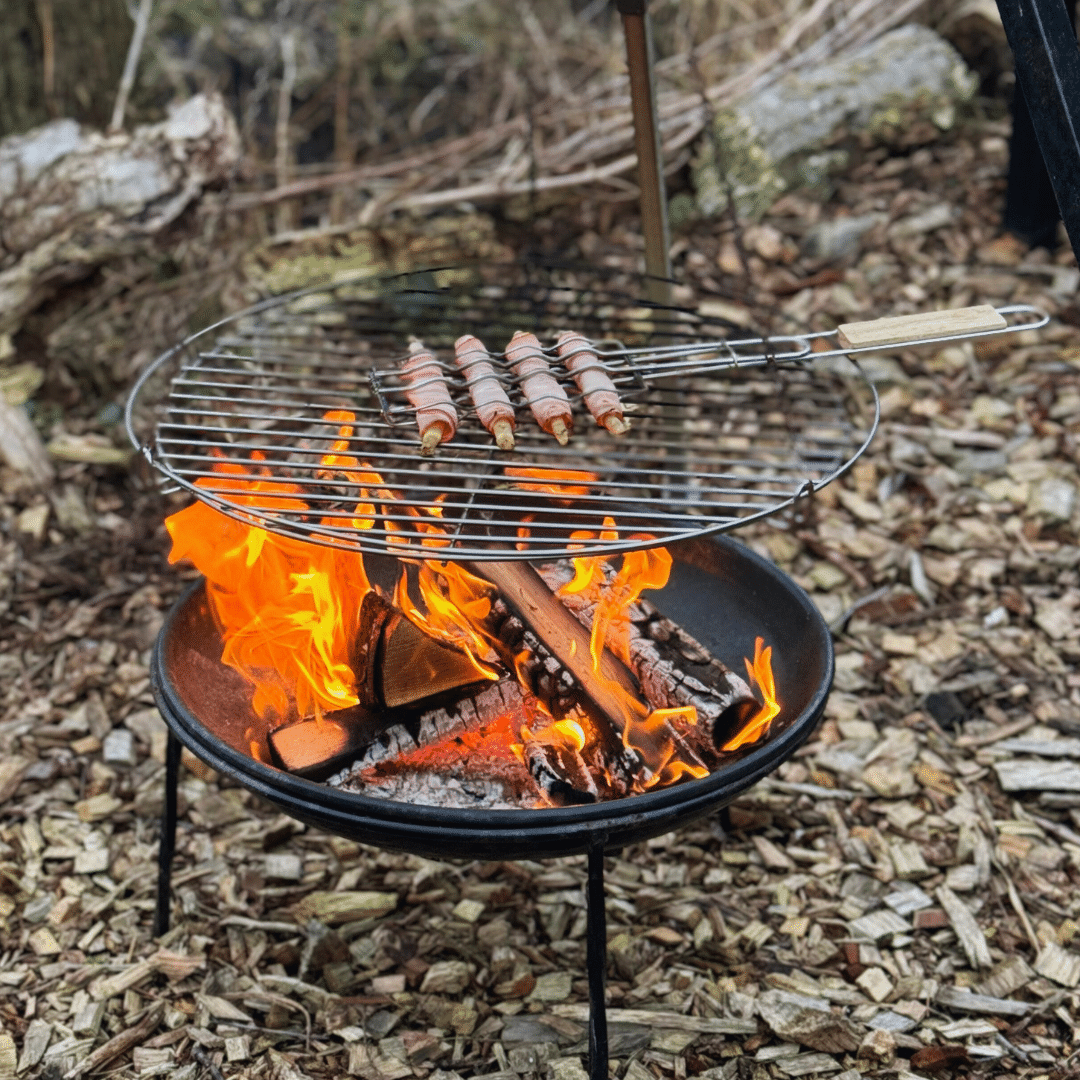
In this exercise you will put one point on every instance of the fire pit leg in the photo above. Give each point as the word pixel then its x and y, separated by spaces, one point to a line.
pixel 167 843
pixel 596 962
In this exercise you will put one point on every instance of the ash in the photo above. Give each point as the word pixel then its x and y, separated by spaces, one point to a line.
pixel 429 789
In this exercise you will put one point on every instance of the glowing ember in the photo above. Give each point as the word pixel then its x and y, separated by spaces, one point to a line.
pixel 571 483
pixel 286 609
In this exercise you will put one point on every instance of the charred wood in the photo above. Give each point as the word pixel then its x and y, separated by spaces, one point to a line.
pixel 560 772
pixel 497 699
pixel 613 690
pixel 660 652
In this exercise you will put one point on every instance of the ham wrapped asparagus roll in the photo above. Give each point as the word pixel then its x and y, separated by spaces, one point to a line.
pixel 601 397
pixel 545 396
pixel 492 404
pixel 426 389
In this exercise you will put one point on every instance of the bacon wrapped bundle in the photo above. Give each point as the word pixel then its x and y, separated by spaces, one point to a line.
pixel 493 406
pixel 428 394
pixel 545 396
pixel 601 397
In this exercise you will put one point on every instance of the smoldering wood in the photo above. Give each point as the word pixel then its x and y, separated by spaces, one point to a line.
pixel 497 699
pixel 560 772
pixel 543 674
pixel 660 650
pixel 415 666
pixel 71 198
pixel 314 748
pixel 375 610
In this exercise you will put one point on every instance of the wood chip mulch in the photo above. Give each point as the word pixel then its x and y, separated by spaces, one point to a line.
pixel 900 899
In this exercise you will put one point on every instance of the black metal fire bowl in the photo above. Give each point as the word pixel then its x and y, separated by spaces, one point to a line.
pixel 720 591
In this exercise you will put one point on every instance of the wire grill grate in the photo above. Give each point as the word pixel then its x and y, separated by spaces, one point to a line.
pixel 291 416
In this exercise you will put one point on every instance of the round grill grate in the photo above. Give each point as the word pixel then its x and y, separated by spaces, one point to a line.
pixel 291 416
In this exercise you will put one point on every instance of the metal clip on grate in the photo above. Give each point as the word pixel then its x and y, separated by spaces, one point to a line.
pixel 292 416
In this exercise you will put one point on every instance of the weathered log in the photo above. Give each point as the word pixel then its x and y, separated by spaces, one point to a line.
pixel 70 199
pixel 773 139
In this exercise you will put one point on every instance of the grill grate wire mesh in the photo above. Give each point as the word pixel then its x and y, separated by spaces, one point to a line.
pixel 291 416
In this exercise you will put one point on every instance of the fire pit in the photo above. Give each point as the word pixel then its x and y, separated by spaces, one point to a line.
pixel 292 424
pixel 719 590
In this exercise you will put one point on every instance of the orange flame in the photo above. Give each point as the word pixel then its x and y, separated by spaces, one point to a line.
pixel 561 733
pixel 288 609
pixel 457 604
pixel 761 676
pixel 570 483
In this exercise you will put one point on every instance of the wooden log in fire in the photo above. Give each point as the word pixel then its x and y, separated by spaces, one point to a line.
pixel 397 663
pixel 659 651
pixel 560 772
pixel 316 746
pixel 568 640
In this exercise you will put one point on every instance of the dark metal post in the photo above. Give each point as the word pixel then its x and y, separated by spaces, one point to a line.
pixel 654 220
pixel 167 842
pixel 1044 46
pixel 596 962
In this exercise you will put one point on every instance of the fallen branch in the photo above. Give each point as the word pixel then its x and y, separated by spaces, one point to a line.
pixel 129 187
pixel 131 64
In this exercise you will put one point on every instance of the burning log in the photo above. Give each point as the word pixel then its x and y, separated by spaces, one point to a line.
pixel 397 663
pixel 566 639
pixel 496 700
pixel 659 651
pixel 612 689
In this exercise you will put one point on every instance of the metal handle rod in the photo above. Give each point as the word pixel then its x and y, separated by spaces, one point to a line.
pixel 167 843
pixel 596 962
pixel 1044 45
pixel 654 222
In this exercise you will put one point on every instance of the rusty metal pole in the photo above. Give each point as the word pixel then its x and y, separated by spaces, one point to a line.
pixel 654 221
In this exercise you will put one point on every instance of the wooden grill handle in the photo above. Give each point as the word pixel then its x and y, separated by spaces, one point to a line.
pixel 928 324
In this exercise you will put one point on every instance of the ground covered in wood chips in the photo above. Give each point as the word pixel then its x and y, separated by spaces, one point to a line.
pixel 899 899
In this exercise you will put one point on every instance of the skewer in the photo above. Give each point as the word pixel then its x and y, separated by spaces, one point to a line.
pixel 599 393
pixel 545 396
pixel 426 389
pixel 493 406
